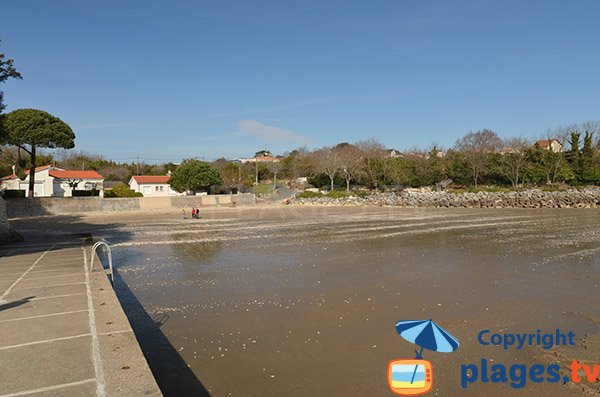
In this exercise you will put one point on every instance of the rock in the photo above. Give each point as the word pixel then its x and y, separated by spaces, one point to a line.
pixel 533 198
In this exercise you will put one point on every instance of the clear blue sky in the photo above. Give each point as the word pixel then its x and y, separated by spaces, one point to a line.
pixel 167 80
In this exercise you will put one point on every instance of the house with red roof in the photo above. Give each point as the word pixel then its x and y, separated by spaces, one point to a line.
pixel 153 185
pixel 550 144
pixel 52 181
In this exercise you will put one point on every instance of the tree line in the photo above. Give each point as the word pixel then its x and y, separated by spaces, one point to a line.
pixel 478 158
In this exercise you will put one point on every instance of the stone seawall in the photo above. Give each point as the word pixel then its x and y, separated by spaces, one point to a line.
pixel 587 198
pixel 76 205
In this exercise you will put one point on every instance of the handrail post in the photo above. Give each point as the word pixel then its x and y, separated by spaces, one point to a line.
pixel 110 263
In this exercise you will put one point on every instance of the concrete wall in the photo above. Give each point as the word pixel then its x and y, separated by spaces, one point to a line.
pixel 7 234
pixel 76 205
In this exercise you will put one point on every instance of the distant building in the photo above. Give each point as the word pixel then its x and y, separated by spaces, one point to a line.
pixel 261 159
pixel 550 144
pixel 395 153
pixel 51 181
pixel 153 185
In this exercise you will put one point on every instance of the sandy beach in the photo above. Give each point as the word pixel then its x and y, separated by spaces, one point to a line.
pixel 287 300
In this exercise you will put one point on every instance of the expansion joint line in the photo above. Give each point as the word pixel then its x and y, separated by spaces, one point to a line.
pixel 101 386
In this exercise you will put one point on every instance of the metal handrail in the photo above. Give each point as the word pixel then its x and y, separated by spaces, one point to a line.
pixel 110 264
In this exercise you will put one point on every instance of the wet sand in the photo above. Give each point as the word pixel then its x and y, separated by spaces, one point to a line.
pixel 303 300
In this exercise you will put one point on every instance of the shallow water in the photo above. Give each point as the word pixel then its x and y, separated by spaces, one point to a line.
pixel 303 301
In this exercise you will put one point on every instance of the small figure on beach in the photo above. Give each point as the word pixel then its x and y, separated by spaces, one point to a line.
pixel 197 213
pixel 183 211
pixel 193 212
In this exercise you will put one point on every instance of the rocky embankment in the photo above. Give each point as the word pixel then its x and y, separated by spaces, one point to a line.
pixel 586 198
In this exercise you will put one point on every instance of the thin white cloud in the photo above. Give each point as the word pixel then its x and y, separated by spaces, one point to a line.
pixel 270 133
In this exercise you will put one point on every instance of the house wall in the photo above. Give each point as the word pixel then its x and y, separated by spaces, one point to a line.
pixel 43 184
pixel 165 192
pixel 62 189
pixel 133 185
pixel 152 188
pixel 555 147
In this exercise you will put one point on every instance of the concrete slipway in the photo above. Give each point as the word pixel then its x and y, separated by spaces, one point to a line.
pixel 62 329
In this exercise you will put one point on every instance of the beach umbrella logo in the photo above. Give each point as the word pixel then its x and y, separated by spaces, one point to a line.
pixel 412 377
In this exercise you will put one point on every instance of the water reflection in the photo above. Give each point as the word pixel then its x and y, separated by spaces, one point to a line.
pixel 198 253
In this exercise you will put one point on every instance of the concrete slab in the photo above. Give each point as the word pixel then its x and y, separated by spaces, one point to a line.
pixel 59 265
pixel 5 284
pixel 34 282
pixel 57 269
pixel 109 314
pixel 50 276
pixel 43 365
pixel 45 328
pixel 40 292
pixel 33 308
pixel 85 389
pixel 126 371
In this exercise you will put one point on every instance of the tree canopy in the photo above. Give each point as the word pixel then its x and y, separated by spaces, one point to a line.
pixel 35 128
pixel 194 175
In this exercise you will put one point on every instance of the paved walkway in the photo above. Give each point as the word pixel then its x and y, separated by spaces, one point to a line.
pixel 62 329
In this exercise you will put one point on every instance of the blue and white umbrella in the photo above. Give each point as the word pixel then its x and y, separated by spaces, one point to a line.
pixel 428 335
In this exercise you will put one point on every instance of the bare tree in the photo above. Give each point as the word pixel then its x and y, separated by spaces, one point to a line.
pixel 275 168
pixel 514 159
pixel 373 154
pixel 477 147
pixel 327 162
pixel 351 162
pixel 551 163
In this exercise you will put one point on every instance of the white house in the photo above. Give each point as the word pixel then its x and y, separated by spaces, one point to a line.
pixel 51 181
pixel 395 153
pixel 550 144
pixel 152 185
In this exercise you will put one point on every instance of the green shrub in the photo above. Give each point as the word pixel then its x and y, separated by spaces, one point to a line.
pixel 121 190
pixel 262 189
pixel 337 194
pixel 309 194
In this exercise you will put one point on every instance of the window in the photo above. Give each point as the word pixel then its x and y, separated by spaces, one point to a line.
pixel 161 188
pixel 157 188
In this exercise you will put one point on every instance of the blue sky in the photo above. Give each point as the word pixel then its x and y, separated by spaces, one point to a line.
pixel 165 80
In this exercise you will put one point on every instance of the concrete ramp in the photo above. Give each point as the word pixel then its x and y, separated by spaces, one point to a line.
pixel 62 329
